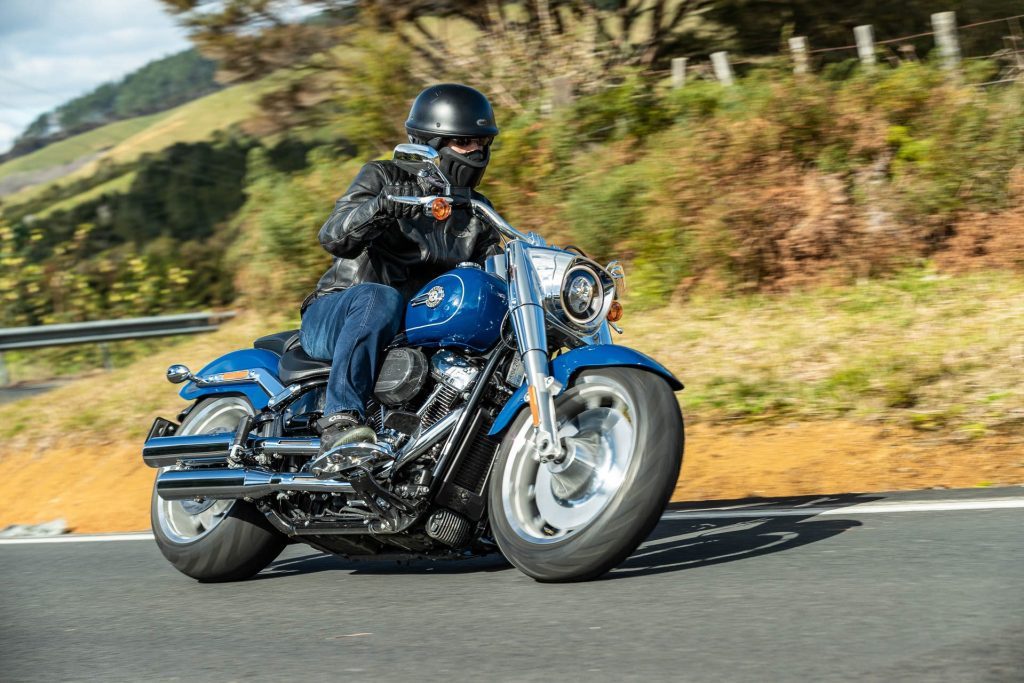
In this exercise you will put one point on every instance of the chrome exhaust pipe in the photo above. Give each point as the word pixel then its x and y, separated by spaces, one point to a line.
pixel 231 484
pixel 165 451
pixel 212 449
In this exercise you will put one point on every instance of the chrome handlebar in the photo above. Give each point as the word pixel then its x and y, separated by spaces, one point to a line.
pixel 481 209
pixel 502 226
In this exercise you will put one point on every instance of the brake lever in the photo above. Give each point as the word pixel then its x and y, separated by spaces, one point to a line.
pixel 409 199
pixel 438 207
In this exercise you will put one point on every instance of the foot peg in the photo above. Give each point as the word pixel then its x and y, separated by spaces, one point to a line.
pixel 349 458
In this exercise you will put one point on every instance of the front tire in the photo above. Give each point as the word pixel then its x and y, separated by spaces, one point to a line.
pixel 215 540
pixel 576 521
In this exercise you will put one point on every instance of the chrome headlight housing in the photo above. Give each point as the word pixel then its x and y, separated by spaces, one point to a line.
pixel 577 292
pixel 583 296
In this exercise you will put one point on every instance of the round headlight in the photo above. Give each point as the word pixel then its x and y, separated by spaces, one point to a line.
pixel 582 295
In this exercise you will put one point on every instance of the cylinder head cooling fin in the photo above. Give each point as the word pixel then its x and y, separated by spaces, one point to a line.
pixel 449 528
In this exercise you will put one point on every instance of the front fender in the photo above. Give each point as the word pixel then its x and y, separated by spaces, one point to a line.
pixel 566 366
pixel 258 390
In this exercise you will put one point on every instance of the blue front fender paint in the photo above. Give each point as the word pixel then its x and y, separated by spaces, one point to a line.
pixel 567 365
pixel 245 359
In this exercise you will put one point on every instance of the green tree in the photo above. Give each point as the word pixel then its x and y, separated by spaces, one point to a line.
pixel 251 38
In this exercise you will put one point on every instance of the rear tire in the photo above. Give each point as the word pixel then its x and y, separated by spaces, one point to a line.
pixel 580 523
pixel 223 540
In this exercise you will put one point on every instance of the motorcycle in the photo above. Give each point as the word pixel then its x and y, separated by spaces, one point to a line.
pixel 506 421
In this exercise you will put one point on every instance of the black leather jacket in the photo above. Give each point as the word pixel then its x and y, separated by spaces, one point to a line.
pixel 404 253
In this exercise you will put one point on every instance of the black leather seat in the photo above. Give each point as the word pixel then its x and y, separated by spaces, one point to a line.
pixel 279 342
pixel 297 366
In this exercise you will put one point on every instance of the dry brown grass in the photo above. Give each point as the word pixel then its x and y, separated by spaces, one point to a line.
pixel 926 350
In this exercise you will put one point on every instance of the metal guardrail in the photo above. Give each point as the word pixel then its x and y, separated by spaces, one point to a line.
pixel 102 331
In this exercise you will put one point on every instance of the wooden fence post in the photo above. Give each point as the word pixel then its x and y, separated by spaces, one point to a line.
pixel 944 24
pixel 865 44
pixel 723 72
pixel 678 72
pixel 798 48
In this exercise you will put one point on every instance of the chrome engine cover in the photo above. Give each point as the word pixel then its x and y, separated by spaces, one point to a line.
pixel 454 370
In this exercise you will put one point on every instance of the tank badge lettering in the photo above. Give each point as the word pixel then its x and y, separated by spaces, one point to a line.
pixel 435 296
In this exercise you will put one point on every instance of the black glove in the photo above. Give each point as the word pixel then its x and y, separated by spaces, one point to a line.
pixel 395 209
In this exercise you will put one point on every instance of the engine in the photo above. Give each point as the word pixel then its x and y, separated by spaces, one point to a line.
pixel 403 378
pixel 415 390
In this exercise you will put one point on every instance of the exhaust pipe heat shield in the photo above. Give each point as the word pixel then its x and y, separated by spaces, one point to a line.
pixel 231 484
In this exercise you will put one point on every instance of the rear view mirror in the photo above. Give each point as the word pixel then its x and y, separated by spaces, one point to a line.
pixel 424 161
pixel 413 158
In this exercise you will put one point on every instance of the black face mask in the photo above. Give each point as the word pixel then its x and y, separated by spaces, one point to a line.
pixel 464 170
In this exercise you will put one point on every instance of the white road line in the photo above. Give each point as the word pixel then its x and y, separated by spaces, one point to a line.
pixel 711 513
pixel 79 538
pixel 854 509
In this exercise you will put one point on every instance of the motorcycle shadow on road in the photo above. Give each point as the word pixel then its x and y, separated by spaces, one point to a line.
pixel 320 562
pixel 674 545
pixel 679 544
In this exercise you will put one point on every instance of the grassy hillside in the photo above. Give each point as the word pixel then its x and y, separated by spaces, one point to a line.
pixel 191 122
pixel 126 141
pixel 78 146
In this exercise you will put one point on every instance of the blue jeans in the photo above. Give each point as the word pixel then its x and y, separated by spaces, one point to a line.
pixel 350 328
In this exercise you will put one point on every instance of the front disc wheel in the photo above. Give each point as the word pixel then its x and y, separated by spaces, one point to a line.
pixel 573 520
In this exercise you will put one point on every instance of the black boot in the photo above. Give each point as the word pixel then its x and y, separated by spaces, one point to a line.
pixel 342 428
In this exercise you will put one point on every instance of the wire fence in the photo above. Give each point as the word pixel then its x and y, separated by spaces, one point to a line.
pixel 1009 58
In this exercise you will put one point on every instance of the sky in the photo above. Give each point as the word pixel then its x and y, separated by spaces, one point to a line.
pixel 54 50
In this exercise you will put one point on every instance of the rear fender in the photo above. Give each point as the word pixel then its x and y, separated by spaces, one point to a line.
pixel 257 385
pixel 566 366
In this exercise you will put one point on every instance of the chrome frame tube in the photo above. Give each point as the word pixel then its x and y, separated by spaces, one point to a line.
pixel 426 439
pixel 285 446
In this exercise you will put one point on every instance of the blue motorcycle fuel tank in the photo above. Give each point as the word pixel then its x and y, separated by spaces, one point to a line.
pixel 462 309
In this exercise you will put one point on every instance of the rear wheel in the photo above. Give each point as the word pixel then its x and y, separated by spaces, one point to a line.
pixel 576 520
pixel 214 540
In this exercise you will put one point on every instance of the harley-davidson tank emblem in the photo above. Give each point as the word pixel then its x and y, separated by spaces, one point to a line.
pixel 435 296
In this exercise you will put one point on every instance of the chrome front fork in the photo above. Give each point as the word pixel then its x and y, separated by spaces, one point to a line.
pixel 527 312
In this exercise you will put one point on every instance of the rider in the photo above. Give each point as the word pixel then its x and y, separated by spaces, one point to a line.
pixel 384 252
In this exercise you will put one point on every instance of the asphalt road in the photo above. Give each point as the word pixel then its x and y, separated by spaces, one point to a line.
pixel 16 393
pixel 839 589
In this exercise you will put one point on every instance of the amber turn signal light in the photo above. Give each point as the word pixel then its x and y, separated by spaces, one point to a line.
pixel 531 398
pixel 615 312
pixel 441 209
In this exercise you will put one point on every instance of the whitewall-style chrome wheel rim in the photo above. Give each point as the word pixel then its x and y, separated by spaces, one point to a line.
pixel 547 502
pixel 183 521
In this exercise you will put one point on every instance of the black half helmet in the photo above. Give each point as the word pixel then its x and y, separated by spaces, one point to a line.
pixel 450 110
